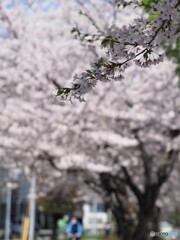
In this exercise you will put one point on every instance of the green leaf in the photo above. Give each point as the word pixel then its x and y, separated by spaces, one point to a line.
pixel 146 4
pixel 145 55
pixel 75 30
pixel 153 16
pixel 109 40
pixel 124 4
pixel 61 91
pixel 127 4
pixel 90 73
pixel 101 62
pixel 81 13
pixel 105 42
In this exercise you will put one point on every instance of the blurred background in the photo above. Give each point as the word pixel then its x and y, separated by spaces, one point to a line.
pixel 112 161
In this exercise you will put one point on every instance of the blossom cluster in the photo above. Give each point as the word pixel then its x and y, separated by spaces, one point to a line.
pixel 139 43
pixel 98 136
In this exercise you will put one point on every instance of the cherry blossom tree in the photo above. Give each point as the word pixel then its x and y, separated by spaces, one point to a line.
pixel 133 135
pixel 124 142
pixel 38 51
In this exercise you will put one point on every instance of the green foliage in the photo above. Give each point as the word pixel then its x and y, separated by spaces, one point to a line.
pixel 112 236
pixel 153 16
pixel 146 4
pixel 173 52
pixel 60 200
pixel 174 217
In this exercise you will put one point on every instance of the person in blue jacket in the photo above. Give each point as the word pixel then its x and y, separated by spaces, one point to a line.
pixel 74 229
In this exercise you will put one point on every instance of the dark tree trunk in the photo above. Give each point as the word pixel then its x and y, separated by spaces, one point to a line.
pixel 126 228
pixel 142 230
pixel 148 221
pixel 123 225
pixel 139 228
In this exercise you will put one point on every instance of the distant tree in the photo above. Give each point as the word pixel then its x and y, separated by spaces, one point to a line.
pixel 124 142
pixel 63 198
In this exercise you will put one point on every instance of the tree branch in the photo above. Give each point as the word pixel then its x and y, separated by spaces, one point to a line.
pixel 52 80
pixel 131 184
pixel 165 170
pixel 147 160
pixel 50 159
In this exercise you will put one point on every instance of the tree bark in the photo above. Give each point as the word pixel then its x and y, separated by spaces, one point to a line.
pixel 126 228
pixel 148 221
pixel 123 224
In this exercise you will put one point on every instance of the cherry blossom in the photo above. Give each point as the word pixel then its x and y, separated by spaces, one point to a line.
pixel 139 42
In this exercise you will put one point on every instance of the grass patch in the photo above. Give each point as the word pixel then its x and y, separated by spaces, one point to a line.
pixel 99 237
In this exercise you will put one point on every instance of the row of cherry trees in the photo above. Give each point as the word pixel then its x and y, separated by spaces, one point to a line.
pixel 123 142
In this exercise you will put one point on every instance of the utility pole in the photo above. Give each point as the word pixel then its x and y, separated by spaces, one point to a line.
pixel 8 211
pixel 32 208
pixel 11 184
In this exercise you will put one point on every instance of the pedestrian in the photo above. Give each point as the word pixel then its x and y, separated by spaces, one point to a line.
pixel 74 229
pixel 61 224
pixel 107 229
